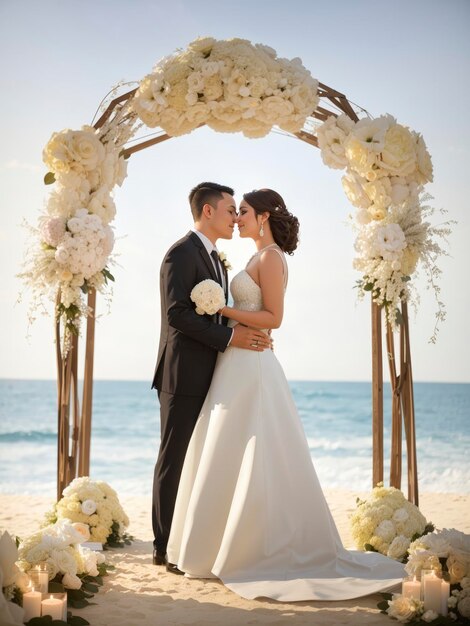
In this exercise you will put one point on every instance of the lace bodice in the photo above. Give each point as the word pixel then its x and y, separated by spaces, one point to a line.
pixel 246 293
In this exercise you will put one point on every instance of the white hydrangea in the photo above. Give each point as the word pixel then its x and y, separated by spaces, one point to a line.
pixel 374 522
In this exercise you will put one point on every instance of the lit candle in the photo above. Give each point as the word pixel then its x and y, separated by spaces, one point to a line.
pixel 432 593
pixel 445 592
pixel 411 588
pixel 31 604
pixel 53 607
pixel 40 578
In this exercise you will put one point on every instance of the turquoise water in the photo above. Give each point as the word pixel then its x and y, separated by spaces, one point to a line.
pixel 125 436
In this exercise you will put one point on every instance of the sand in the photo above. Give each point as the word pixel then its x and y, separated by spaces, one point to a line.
pixel 138 593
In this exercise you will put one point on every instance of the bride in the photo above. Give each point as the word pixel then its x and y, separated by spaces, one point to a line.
pixel 250 510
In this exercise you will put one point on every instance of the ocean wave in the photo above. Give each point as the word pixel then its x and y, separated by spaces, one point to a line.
pixel 18 436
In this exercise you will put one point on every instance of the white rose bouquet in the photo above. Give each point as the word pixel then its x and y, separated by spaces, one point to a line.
pixel 208 296
pixel 95 504
pixel 386 522
pixel 58 547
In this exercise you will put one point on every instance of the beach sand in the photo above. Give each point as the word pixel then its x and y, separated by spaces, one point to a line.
pixel 139 594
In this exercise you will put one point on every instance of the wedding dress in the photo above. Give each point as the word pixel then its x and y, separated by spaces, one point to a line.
pixel 250 510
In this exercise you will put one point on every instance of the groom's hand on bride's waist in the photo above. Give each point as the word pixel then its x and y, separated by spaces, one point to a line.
pixel 250 339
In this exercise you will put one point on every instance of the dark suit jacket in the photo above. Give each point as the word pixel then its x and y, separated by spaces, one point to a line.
pixel 189 342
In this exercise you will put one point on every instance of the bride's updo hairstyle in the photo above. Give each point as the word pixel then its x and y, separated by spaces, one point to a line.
pixel 284 225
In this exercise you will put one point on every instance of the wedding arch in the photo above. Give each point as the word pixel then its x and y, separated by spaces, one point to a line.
pixel 235 86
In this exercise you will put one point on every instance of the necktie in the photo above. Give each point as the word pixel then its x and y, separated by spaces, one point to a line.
pixel 215 256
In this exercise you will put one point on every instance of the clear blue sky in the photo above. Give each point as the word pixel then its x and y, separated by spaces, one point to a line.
pixel 408 58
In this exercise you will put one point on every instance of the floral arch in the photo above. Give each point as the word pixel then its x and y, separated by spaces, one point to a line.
pixel 234 86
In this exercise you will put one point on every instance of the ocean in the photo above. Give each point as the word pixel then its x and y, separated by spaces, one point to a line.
pixel 336 417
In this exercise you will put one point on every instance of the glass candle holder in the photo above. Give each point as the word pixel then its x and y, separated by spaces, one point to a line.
pixel 411 587
pixel 39 577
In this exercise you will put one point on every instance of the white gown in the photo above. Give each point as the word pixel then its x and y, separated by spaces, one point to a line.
pixel 250 510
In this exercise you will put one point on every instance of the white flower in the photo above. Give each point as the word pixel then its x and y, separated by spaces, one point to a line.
pixel 463 607
pixel 404 609
pixel 400 515
pixel 88 507
pixel 53 229
pixel 208 297
pixel 331 137
pixel 429 616
pixel 69 149
pixel 83 529
pixel 353 186
pixel 71 581
pixel 398 155
pixel 398 547
pixel 389 241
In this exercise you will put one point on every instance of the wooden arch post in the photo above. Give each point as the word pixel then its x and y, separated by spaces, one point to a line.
pixel 74 458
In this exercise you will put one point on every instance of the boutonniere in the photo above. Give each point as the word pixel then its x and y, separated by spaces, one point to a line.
pixel 223 259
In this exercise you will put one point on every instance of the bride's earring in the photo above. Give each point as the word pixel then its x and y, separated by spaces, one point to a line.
pixel 261 230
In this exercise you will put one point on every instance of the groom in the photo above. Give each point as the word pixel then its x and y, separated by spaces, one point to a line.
pixel 189 344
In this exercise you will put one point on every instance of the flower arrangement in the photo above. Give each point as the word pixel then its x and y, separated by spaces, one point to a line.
pixel 387 523
pixel 447 553
pixel 96 505
pixel 387 166
pixel 58 547
pixel 208 297
pixel 229 85
pixel 73 242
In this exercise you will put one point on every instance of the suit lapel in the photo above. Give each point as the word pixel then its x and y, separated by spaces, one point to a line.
pixel 203 252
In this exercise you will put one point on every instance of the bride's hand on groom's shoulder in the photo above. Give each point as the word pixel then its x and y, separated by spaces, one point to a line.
pixel 250 339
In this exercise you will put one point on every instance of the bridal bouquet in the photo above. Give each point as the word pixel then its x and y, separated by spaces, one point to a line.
pixel 386 522
pixel 58 547
pixel 208 296
pixel 93 504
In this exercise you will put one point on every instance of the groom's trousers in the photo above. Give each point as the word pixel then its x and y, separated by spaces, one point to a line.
pixel 178 416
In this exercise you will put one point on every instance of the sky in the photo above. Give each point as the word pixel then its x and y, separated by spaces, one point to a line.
pixel 409 58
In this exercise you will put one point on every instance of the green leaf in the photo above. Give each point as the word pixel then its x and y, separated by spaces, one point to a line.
pixel 107 274
pixel 91 588
pixel 382 605
pixel 369 548
pixel 76 620
pixel 368 287
pixel 399 317
pixel 55 587
pixel 49 178
pixel 78 604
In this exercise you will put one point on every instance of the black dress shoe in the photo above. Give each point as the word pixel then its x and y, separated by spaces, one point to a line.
pixel 173 569
pixel 159 559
